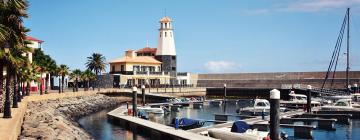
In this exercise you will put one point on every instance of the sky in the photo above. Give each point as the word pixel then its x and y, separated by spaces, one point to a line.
pixel 211 36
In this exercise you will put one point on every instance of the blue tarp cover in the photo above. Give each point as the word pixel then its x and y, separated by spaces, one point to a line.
pixel 187 122
pixel 239 127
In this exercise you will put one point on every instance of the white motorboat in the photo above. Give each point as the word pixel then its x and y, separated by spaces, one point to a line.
pixel 216 102
pixel 342 105
pixel 297 101
pixel 148 109
pixel 226 134
pixel 257 108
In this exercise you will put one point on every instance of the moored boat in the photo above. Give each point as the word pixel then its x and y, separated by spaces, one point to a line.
pixel 297 101
pixel 342 105
pixel 148 109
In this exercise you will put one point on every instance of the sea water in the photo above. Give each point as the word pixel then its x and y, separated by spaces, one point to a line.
pixel 97 125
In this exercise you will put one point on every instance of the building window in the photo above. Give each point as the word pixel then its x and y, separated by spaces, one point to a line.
pixel 174 68
pixel 122 68
pixel 160 34
pixel 173 57
pixel 113 68
pixel 165 34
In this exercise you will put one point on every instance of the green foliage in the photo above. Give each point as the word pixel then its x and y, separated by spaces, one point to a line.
pixel 96 62
pixel 76 74
pixel 88 75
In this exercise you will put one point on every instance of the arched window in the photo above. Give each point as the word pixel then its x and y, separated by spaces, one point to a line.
pixel 165 34
pixel 165 25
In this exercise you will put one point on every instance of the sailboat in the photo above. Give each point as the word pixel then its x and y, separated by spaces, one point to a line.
pixel 331 93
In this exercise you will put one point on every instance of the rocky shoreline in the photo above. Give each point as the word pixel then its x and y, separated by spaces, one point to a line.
pixel 56 119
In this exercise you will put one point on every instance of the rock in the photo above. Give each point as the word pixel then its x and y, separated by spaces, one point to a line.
pixel 55 119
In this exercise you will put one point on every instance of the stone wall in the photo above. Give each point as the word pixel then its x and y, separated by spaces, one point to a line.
pixel 274 80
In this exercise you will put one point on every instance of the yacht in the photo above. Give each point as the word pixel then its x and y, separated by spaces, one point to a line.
pixel 256 108
pixel 297 101
pixel 342 105
pixel 148 109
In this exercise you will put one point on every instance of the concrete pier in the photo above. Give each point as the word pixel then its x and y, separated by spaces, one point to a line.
pixel 157 131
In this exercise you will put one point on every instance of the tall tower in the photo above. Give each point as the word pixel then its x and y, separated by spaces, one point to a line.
pixel 166 48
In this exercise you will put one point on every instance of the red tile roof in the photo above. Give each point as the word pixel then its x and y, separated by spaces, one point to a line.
pixel 33 39
pixel 147 49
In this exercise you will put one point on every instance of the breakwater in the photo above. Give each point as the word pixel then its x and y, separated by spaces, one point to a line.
pixel 56 119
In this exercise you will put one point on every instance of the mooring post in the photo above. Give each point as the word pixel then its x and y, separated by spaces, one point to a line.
pixel 356 88
pixel 274 114
pixel 308 107
pixel 224 98
pixel 143 94
pixel 134 100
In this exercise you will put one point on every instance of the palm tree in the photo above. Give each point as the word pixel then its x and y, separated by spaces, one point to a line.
pixel 86 77
pixel 63 71
pixel 46 65
pixel 76 74
pixel 49 65
pixel 12 34
pixel 96 63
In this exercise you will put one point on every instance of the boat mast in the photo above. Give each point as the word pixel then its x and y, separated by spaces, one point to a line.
pixel 347 51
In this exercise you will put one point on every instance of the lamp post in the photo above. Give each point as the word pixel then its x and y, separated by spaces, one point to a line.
pixel 7 109
pixel 224 98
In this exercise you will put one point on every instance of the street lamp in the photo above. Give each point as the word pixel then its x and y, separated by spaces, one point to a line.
pixel 7 109
pixel 224 98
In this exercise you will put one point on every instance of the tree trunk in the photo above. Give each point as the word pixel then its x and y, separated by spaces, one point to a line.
pixel 62 83
pixel 59 84
pixel 23 89
pixel 27 88
pixel 41 85
pixel 7 109
pixel 88 84
pixel 16 87
pixel 98 80
pixel 46 83
pixel 1 84
pixel 15 94
pixel 77 86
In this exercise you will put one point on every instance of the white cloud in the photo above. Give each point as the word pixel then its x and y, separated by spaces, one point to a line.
pixel 222 66
pixel 320 5
pixel 307 6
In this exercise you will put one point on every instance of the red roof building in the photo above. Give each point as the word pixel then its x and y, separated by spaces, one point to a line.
pixel 147 51
pixel 34 39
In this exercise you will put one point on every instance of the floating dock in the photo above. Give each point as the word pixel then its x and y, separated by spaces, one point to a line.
pixel 155 130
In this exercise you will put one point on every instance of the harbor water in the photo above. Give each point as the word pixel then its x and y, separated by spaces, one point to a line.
pixel 97 125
